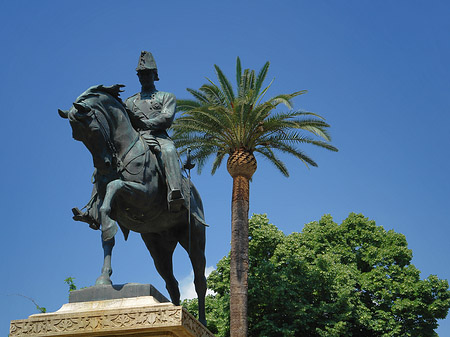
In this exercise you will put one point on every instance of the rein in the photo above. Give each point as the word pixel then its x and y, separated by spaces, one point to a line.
pixel 120 164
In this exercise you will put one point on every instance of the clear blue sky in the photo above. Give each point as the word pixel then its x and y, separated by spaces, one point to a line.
pixel 379 72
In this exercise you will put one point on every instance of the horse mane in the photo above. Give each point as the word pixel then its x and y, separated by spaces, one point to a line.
pixel 95 91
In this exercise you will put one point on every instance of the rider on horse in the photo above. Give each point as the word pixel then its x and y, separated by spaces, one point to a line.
pixel 151 112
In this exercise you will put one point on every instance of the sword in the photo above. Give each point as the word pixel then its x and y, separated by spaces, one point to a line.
pixel 188 166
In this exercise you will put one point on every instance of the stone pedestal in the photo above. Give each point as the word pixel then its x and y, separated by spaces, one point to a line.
pixel 128 316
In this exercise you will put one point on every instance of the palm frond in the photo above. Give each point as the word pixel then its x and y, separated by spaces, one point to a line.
pixel 312 122
pixel 309 113
pixel 238 73
pixel 217 161
pixel 286 98
pixel 244 86
pixel 260 79
pixel 283 120
pixel 214 94
pixel 251 80
pixel 286 148
pixel 324 145
pixel 186 104
pixel 193 128
pixel 293 137
pixel 268 153
pixel 194 141
pixel 225 85
pixel 263 92
pixel 318 131
pixel 198 95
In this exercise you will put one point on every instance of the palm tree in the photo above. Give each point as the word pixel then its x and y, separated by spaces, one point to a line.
pixel 220 122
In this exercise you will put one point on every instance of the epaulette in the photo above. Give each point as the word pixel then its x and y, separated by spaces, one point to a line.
pixel 164 93
pixel 131 98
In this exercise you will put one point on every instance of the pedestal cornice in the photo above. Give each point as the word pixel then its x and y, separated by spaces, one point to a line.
pixel 124 317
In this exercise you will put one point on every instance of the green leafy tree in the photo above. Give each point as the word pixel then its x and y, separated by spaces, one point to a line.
pixel 330 280
pixel 222 122
pixel 70 282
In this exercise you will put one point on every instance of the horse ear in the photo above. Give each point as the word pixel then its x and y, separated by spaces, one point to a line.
pixel 81 108
pixel 114 90
pixel 63 113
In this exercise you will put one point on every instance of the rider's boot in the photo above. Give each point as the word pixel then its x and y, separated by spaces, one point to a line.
pixel 169 162
pixel 174 196
pixel 85 217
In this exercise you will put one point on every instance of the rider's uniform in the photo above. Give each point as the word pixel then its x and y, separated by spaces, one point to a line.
pixel 151 115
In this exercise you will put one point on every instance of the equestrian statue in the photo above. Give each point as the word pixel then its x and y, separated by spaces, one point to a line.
pixel 138 183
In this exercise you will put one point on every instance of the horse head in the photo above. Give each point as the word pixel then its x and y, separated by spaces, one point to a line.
pixel 89 118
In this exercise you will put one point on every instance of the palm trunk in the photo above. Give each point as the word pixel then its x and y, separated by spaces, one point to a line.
pixel 239 257
pixel 241 165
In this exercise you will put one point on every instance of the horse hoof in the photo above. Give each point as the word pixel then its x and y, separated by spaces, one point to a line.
pixel 102 280
pixel 109 232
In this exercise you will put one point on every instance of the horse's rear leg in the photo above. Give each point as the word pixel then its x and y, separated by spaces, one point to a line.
pixel 104 278
pixel 161 250
pixel 198 260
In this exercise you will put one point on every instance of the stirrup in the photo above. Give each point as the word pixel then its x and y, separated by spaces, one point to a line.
pixel 175 195
pixel 176 200
pixel 84 217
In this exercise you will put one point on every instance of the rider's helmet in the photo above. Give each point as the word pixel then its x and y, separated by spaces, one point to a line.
pixel 147 62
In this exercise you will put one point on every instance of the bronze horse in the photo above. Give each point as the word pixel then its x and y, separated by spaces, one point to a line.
pixel 132 191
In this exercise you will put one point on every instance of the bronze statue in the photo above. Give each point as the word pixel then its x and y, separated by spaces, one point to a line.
pixel 152 113
pixel 138 181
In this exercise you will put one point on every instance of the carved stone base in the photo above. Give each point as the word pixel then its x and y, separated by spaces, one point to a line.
pixel 131 317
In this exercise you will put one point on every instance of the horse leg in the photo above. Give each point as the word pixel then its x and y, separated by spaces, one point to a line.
pixel 161 249
pixel 114 188
pixel 104 278
pixel 198 260
pixel 109 226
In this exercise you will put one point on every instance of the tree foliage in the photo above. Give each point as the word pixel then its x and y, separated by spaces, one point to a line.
pixel 70 282
pixel 353 279
pixel 221 121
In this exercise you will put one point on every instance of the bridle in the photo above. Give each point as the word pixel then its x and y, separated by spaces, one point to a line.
pixel 118 161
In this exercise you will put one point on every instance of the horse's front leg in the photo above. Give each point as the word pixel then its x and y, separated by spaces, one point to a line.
pixel 131 190
pixel 104 278
pixel 109 226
